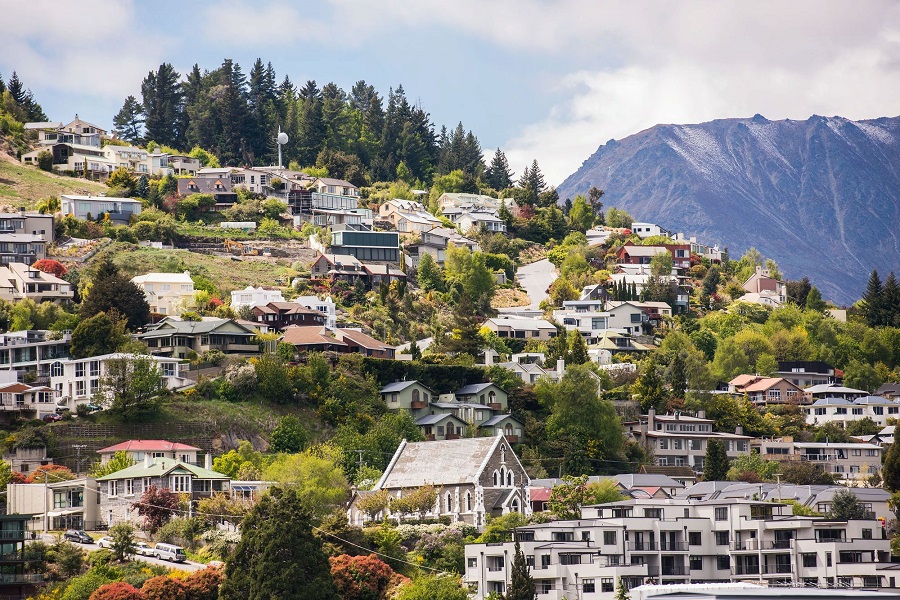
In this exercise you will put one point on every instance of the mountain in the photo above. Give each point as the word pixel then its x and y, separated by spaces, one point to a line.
pixel 820 196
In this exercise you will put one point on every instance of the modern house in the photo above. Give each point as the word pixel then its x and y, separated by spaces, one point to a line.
pixel 808 373
pixel 254 296
pixel 850 461
pixel 481 220
pixel 219 188
pixel 167 293
pixel 763 391
pixel 137 450
pixel 19 281
pixel 464 199
pixel 326 307
pixel 24 248
pixel 327 185
pixel 435 242
pixel 476 478
pixel 318 338
pixel 523 328
pixel 184 165
pixel 680 440
pixel 365 243
pixel 834 390
pixel 630 254
pixel 120 210
pixel 16 581
pixel 593 317
pixel 843 412
pixel 645 230
pixel 764 289
pixel 22 400
pixel 175 338
pixel 278 316
pixel 672 541
pixel 28 222
pixel 56 505
pixel 32 351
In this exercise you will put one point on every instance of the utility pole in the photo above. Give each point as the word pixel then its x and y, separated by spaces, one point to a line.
pixel 78 449
pixel 360 458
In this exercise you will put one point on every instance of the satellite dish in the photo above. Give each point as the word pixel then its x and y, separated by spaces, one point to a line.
pixel 282 138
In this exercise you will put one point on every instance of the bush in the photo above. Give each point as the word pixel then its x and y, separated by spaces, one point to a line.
pixel 182 532
pixel 165 588
pixel 81 587
pixel 118 591
pixel 45 160
pixel 204 585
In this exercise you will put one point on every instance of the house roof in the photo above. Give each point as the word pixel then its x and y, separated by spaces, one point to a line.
pixel 631 480
pixel 496 419
pixel 147 446
pixel 540 494
pixel 99 199
pixel 44 125
pixel 398 386
pixel 888 388
pixel 825 388
pixel 168 326
pixel 343 259
pixel 434 419
pixel 309 335
pixel 161 467
pixel 331 181
pixel 832 402
pixel 764 383
pixel 670 471
pixel 285 308
pixel 473 388
pixel 521 322
pixel 360 338
pixel 21 238
pixel 644 251
pixel 163 278
pixel 443 462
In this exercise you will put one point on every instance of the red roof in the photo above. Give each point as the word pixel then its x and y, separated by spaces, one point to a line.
pixel 540 494
pixel 147 446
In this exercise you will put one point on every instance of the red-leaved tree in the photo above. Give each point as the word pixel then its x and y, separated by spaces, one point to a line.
pixel 157 505
pixel 53 267
pixel 360 577
pixel 163 587
pixel 204 585
pixel 118 591
pixel 53 473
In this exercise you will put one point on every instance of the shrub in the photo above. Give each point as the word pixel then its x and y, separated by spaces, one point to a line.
pixel 45 160
pixel 165 588
pixel 118 591
pixel 204 585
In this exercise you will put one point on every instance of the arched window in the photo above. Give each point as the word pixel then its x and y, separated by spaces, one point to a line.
pixel 502 475
pixel 509 478
pixel 415 396
pixel 495 478
pixel 449 503
pixel 515 505
pixel 468 501
pixel 492 397
pixel 509 429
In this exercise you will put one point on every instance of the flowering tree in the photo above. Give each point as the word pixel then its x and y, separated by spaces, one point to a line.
pixel 157 505
pixel 204 585
pixel 53 267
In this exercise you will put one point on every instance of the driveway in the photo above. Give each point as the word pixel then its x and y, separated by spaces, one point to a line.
pixel 535 278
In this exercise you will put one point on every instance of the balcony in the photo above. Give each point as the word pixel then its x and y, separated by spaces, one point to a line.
pixel 745 570
pixel 452 436
pixel 783 569
pixel 417 404
pixel 674 570
pixel 673 546
pixel 241 348
pixel 17 535
pixel 495 406
pixel 642 546
pixel 21 578
pixel 777 545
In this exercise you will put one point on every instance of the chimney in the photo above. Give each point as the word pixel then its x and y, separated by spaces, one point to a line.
pixel 739 430
pixel 148 460
pixel 560 367
pixel 207 461
pixel 22 210
pixel 701 414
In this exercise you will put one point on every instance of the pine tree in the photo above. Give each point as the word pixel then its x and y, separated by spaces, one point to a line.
pixel 16 89
pixel 112 291
pixel 521 583
pixel 716 465
pixel 891 301
pixel 129 120
pixel 578 350
pixel 873 301
pixel 499 176
pixel 311 128
pixel 2 84
pixel 163 107
pixel 621 592
pixel 890 470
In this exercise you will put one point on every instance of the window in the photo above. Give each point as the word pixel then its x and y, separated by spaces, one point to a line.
pixel 653 513
pixel 585 536
pixel 722 513
pixel 856 452
pixel 809 559
pixel 664 444
pixel 867 534
pixel 563 536
pixel 168 370
pixel 468 501
pixel 676 444
pixel 587 586
pixel 544 586
pixel 606 584
pixel 609 538
pixel 181 483
pixel 721 538
pixel 56 369
pixel 472 562
pixel 95 368
pixel 694 538
pixel 113 489
pixel 696 563
pixel 723 562
pixel 79 369
pixel 828 559
pixel 570 559
pixel 79 388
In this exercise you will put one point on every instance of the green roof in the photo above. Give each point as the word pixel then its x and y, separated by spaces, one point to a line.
pixel 162 467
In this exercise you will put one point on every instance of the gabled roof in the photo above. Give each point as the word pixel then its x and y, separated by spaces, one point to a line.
pixel 764 383
pixel 169 326
pixel 824 388
pixel 160 467
pixel 340 182
pixel 309 335
pixel 399 386
pixel 163 278
pixel 147 446
pixel 435 419
pixel 832 402
pixel 361 339
pixel 499 419
pixel 474 388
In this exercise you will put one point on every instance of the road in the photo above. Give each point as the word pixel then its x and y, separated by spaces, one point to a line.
pixel 535 278
pixel 185 566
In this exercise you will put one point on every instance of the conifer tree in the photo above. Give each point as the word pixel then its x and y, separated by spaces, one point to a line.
pixel 521 583
pixel 112 291
pixel 890 470
pixel 162 99
pixel 621 592
pixel 129 120
pixel 499 176
pixel 578 350
pixel 873 299
pixel 891 301
pixel 715 466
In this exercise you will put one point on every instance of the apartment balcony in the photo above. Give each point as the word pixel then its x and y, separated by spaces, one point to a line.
pixel 673 570
pixel 642 546
pixel 673 546
pixel 418 404
pixel 742 570
pixel 17 535
pixel 21 578
pixel 783 569
pixel 776 545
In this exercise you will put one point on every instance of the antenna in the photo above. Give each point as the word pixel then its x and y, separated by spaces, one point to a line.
pixel 282 139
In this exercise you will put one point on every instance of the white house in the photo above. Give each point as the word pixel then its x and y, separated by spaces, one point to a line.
pixel 593 317
pixel 645 230
pixel 326 307
pixel 18 281
pixel 254 296
pixel 167 293
pixel 481 219
pixel 120 210
pixel 843 412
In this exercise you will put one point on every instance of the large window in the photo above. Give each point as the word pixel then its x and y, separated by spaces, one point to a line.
pixel 723 562
pixel 696 563
pixel 606 584
pixel 181 483
pixel 722 513
pixel 809 559
pixel 721 538
pixel 587 586
pixel 609 538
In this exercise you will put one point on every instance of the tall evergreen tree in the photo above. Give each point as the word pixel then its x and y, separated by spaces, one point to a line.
pixel 2 84
pixel 873 301
pixel 278 555
pixel 232 116
pixel 890 470
pixel 521 583
pixel 162 99
pixel 891 301
pixel 129 120
pixel 715 466
pixel 263 117
pixel 499 176
pixel 16 89
pixel 310 127
pixel 112 291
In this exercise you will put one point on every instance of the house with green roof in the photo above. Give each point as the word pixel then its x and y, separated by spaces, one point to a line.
pixel 176 338
pixel 120 490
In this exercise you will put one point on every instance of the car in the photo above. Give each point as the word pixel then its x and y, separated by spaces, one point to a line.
pixel 169 552
pixel 78 536
pixel 52 418
pixel 143 549
pixel 105 542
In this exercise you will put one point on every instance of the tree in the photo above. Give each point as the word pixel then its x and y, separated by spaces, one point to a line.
pixel 621 592
pixel 864 426
pixel 661 264
pixel 163 106
pixel 521 583
pixel 711 281
pixel 729 360
pixel 360 577
pixel 132 386
pixel 45 160
pixel 499 176
pixel 433 587
pixel 278 556
pixel 873 301
pixel 288 436
pixel 618 218
pixel 313 476
pixel 53 267
pixel 120 460
pixel 581 217
pixel 118 590
pixel 129 121
pixel 157 506
pixel 766 365
pixel 429 275
pixel 814 300
pixel 204 584
pixel 240 462
pixel 50 474
pixel 112 290
pixel 845 505
pixel 567 498
pixel 753 465
pixel 578 350
pixel 121 179
pixel 373 503
pixel 890 470
pixel 806 473
pixel 602 492
pixel 715 466
pixel 122 545
pixel 97 335
pixel 163 587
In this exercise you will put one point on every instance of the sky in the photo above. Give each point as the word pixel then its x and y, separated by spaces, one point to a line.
pixel 540 79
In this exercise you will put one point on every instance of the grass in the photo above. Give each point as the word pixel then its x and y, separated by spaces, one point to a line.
pixel 225 273
pixel 24 185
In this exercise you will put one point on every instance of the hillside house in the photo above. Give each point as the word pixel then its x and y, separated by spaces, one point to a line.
pixel 176 338
pixel 28 222
pixel 19 281
pixel 120 210
pixel 277 316
pixel 630 254
pixel 407 395
pixel 484 394
pixel 219 188
pixel 763 391
pixel 435 242
pixel 522 328
pixel 138 450
pixel 255 296
pixel 167 293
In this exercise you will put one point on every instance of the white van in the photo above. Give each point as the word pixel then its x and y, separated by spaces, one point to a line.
pixel 169 552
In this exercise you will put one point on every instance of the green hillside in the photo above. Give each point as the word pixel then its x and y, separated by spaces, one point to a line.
pixel 22 185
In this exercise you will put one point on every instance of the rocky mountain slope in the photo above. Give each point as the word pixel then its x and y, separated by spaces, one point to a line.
pixel 820 196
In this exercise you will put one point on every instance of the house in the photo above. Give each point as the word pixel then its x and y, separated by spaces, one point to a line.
pixel 645 230
pixel 630 254
pixel 17 580
pixel 19 281
pixel 435 242
pixel 184 165
pixel 365 243
pixel 72 158
pixel 32 351
pixel 610 342
pixel 481 220
pixel 318 338
pixel 137 450
pixel 28 222
pixel 56 505
pixel 512 428
pixel 850 461
pixel 118 491
pixel 392 208
pixel 357 341
pixel 463 199
pixel 327 185
pixel 680 440
pixel 120 210
pixel 415 222
pixel 476 478
pixel 769 289
pixel 176 338
pixel 523 328
pixel 592 317
pixel 407 395
pixel 843 412
pixel 677 541
pixel 254 296
pixel 76 381
pixel 442 426
pixel 326 307
pixel 347 268
pixel 889 390
pixel 24 460
pixel 527 371
pixel 167 293
pixel 22 400
pixel 378 274
pixel 47 132
pixel 26 248
pixel 763 391
pixel 638 278
pixel 219 188
pixel 279 315
pixel 484 394
pixel 833 390
pixel 804 373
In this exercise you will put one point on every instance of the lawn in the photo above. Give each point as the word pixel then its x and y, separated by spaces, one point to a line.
pixel 22 185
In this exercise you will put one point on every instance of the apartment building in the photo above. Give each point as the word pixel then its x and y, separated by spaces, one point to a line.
pixel 33 350
pixel 680 439
pixel 120 210
pixel 850 461
pixel 844 412
pixel 28 222
pixel 56 505
pixel 22 248
pixel 676 541
pixel 763 391
pixel 20 280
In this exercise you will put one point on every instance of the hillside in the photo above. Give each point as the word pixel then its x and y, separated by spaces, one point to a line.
pixel 820 196
pixel 22 185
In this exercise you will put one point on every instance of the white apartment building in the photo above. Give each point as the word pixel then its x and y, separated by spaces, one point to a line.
pixel 167 293
pixel 680 440
pixel 254 296
pixel 674 541
pixel 844 412
pixel 326 307
pixel 850 461
pixel 593 317
pixel 33 350
pixel 74 381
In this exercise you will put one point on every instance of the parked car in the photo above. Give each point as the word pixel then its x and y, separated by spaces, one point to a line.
pixel 78 536
pixel 169 552
pixel 143 549
pixel 105 542
pixel 52 418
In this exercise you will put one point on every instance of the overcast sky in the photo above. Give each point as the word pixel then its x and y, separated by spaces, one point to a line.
pixel 541 79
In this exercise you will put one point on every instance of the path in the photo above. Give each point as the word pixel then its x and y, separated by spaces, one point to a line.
pixel 535 278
